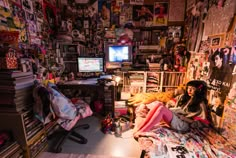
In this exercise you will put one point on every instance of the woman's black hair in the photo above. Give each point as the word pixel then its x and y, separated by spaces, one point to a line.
pixel 199 95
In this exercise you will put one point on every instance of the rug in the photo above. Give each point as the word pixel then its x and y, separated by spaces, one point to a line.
pixel 71 155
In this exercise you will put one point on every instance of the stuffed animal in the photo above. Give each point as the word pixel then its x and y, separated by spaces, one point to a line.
pixel 146 98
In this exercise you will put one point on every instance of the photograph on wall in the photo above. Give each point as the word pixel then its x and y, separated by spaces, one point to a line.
pixel 216 41
pixel 143 15
pixel 160 13
pixel 104 12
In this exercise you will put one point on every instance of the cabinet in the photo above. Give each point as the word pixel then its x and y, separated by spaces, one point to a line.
pixel 151 81
pixel 91 93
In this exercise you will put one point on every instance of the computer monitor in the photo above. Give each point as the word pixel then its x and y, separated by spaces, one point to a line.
pixel 90 64
pixel 116 54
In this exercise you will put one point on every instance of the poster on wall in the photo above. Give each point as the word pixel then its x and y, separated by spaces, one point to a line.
pixel 198 67
pixel 143 15
pixel 126 12
pixel 104 13
pixel 219 81
pixel 160 13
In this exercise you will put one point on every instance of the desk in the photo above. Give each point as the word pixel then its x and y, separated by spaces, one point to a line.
pixel 91 93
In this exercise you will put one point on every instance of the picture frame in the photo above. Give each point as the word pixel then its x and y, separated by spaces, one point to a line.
pixel 217 41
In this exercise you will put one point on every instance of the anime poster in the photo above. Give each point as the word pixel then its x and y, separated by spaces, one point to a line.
pixel 143 15
pixel 160 13
pixel 104 12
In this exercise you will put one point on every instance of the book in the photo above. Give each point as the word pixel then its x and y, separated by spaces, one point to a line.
pixel 14 74
pixel 10 100
pixel 16 87
pixel 16 82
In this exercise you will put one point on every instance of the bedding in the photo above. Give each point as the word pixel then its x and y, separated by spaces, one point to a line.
pixel 163 142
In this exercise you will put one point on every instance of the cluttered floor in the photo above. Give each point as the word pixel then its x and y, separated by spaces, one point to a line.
pixel 100 143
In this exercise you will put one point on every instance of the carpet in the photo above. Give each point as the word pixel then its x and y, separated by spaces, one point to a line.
pixel 71 155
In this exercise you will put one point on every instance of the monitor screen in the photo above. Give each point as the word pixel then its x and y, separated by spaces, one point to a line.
pixel 86 64
pixel 118 53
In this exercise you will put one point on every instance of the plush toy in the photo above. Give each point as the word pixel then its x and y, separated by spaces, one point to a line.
pixel 146 98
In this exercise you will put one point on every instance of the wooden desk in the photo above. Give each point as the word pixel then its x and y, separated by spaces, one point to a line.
pixel 91 93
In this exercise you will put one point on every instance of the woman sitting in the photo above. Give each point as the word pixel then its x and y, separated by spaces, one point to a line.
pixel 189 110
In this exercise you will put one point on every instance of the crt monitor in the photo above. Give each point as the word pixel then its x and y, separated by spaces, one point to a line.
pixel 118 53
pixel 88 64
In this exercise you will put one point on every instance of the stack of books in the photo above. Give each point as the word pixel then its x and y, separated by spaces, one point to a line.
pixel 11 149
pixel 16 89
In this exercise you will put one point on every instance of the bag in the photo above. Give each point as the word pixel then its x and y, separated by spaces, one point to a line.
pixel 61 105
pixel 107 124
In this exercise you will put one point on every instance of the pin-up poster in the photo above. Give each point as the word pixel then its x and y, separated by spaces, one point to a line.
pixel 160 13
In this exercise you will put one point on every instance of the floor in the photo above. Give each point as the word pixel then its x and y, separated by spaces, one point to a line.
pixel 100 143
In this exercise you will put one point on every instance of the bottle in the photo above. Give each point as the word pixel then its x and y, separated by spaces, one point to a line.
pixel 118 130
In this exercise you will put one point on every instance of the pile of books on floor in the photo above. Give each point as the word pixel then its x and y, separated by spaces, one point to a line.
pixel 15 90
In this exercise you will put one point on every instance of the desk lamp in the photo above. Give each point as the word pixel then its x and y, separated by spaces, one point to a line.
pixel 117 80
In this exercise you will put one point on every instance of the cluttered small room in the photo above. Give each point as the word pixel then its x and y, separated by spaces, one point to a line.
pixel 117 78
